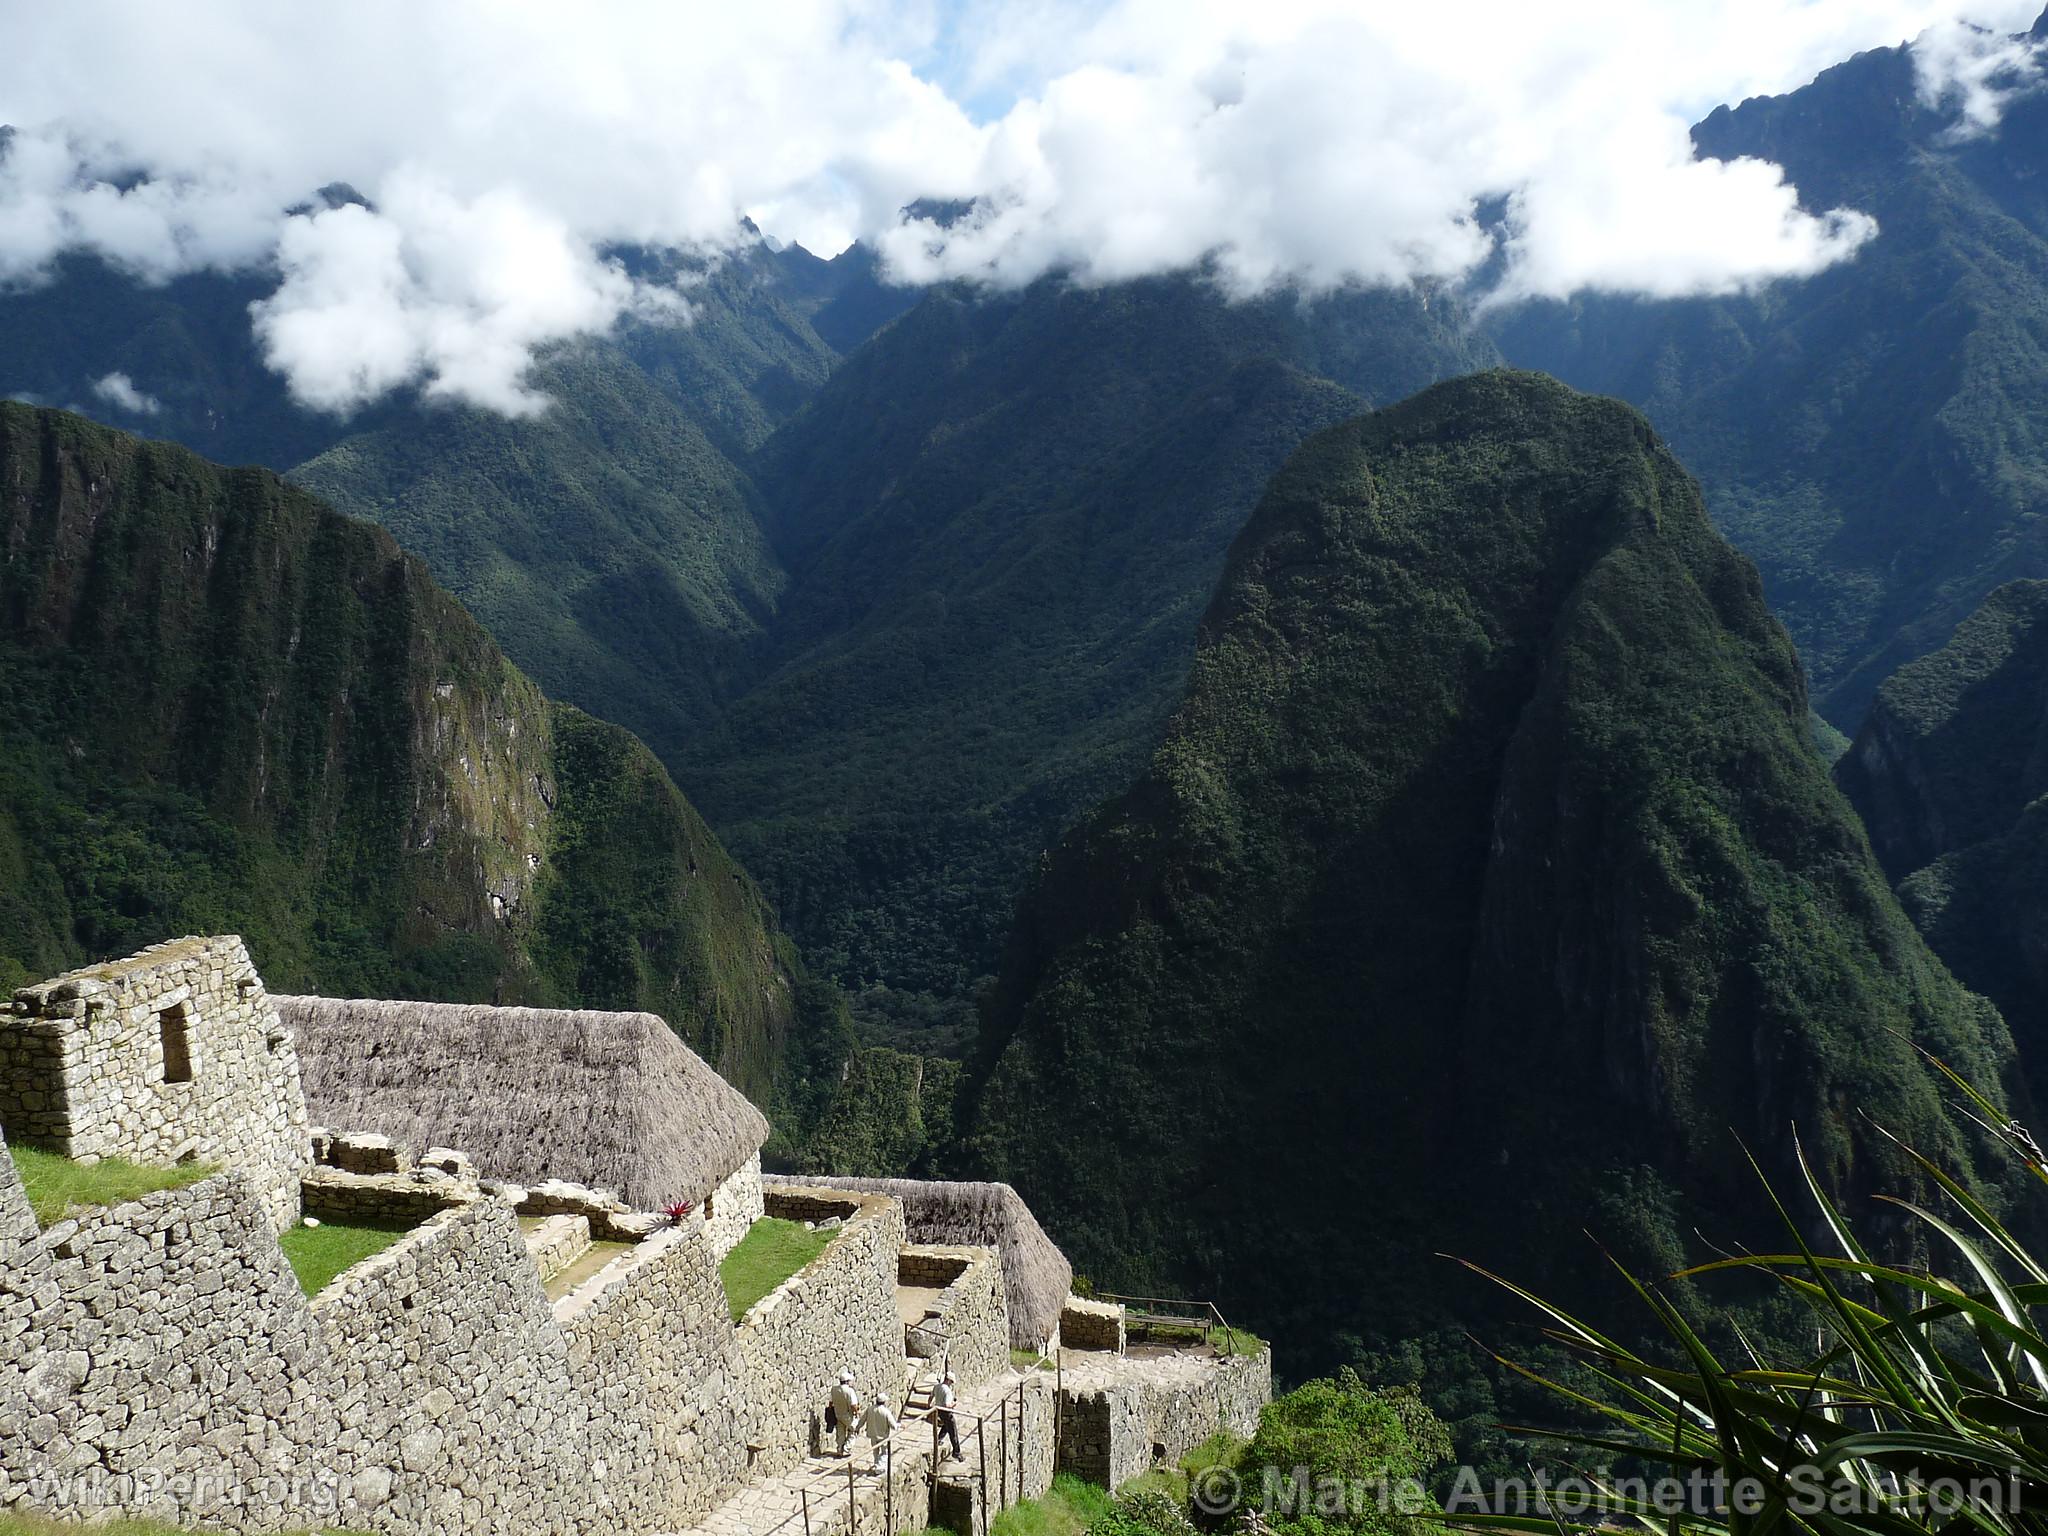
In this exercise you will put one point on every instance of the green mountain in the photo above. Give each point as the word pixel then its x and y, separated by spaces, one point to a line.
pixel 1484 882
pixel 1876 437
pixel 1949 773
pixel 1000 519
pixel 609 546
pixel 227 707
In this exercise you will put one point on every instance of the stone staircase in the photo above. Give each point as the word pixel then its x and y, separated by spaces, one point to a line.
pixel 556 1242
pixel 817 1498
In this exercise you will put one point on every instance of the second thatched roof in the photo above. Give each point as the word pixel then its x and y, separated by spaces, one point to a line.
pixel 1036 1274
pixel 613 1100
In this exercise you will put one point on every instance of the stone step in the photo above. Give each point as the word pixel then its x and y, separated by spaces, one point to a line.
pixel 556 1242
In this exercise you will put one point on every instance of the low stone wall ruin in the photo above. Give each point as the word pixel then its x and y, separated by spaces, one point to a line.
pixel 968 1326
pixel 1086 1324
pixel 1121 1415
pixel 733 1207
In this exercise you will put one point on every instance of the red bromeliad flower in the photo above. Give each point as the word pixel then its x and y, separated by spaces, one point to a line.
pixel 678 1210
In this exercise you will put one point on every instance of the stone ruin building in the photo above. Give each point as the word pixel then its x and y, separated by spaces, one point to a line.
pixel 530 1353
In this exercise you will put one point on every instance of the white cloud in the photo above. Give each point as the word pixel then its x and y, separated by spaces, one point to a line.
pixel 119 391
pixel 1975 72
pixel 504 147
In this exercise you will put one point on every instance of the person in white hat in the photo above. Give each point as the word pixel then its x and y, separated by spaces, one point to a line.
pixel 878 1424
pixel 944 1396
pixel 842 1410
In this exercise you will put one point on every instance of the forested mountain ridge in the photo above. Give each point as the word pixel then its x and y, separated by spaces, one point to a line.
pixel 1485 880
pixel 229 708
pixel 1950 773
pixel 1001 518
pixel 1872 436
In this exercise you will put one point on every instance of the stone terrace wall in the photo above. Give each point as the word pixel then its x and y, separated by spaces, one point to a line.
pixel 1122 1414
pixel 654 1356
pixel 971 1331
pixel 839 1310
pixel 30 1301
pixel 84 1067
pixel 452 1384
pixel 172 1367
pixel 733 1207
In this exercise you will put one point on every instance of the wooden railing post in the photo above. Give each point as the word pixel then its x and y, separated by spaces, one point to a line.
pixel 806 1492
pixel 981 1446
pixel 852 1505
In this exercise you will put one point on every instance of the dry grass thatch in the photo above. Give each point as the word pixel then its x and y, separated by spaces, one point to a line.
pixel 1035 1273
pixel 608 1099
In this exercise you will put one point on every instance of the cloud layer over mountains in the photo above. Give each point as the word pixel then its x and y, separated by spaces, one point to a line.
pixel 502 150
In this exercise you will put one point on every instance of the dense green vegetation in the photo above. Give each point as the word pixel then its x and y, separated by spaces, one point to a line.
pixel 1949 777
pixel 318 1252
pixel 772 1251
pixel 1068 1508
pixel 56 1183
pixel 1485 881
pixel 226 708
pixel 1875 437
pixel 1001 519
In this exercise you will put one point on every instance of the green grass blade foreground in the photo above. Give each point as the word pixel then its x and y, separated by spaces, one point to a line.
pixel 1922 1406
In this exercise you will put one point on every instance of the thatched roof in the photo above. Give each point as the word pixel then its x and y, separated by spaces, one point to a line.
pixel 613 1100
pixel 1035 1273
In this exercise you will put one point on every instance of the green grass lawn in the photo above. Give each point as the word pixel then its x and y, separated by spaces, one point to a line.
pixel 320 1253
pixel 1068 1508
pixel 55 1184
pixel 769 1254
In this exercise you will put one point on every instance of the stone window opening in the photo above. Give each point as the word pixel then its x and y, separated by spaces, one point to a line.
pixel 174 1026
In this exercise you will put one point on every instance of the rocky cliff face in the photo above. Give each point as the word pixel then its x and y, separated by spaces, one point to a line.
pixel 1949 773
pixel 228 707
pixel 1486 879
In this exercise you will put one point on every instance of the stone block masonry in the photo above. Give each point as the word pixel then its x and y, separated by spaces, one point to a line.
pixel 171 1368
pixel 173 1054
pixel 733 1207
pixel 451 1384
pixel 654 1358
pixel 1086 1324
pixel 838 1311
pixel 966 1326
pixel 1121 1415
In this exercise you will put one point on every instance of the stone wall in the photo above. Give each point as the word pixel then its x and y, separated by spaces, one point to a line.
pixel 173 1054
pixel 172 1367
pixel 733 1207
pixel 158 1358
pixel 654 1356
pixel 968 1324
pixel 381 1199
pixel 1121 1415
pixel 452 1385
pixel 838 1311
pixel 1088 1324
